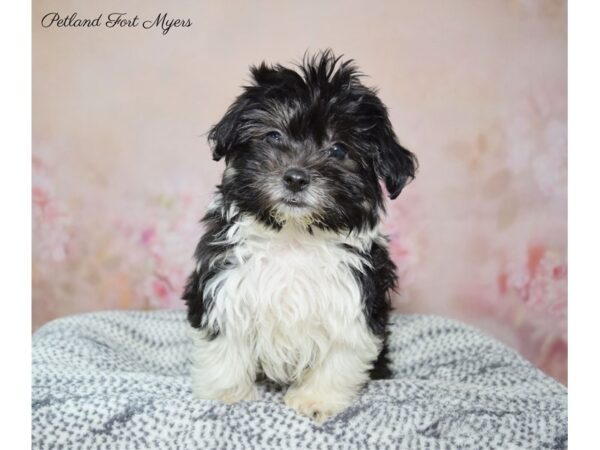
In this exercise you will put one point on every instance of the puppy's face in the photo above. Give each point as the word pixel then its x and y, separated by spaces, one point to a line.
pixel 310 147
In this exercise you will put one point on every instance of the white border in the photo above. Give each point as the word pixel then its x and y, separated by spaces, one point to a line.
pixel 15 235
pixel 584 223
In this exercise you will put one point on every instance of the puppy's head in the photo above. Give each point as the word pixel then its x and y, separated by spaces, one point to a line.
pixel 309 146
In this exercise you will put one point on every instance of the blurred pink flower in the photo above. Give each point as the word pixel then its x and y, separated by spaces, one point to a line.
pixel 51 223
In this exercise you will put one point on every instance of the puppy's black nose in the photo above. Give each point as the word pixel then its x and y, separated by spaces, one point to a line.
pixel 296 179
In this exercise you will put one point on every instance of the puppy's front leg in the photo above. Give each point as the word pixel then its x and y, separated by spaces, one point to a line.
pixel 222 368
pixel 329 387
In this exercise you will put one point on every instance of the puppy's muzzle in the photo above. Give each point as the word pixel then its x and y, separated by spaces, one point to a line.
pixel 296 179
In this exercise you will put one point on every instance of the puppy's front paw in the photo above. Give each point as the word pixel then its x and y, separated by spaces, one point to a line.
pixel 316 405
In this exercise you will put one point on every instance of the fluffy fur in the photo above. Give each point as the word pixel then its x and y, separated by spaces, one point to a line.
pixel 293 276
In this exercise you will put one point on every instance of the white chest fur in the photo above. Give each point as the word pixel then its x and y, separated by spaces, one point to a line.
pixel 289 296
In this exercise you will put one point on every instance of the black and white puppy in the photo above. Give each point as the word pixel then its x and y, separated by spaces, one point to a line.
pixel 293 276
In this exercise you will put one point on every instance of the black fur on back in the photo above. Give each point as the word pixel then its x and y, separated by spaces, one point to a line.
pixel 210 259
pixel 378 281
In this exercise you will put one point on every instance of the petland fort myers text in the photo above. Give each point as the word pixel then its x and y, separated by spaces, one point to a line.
pixel 115 20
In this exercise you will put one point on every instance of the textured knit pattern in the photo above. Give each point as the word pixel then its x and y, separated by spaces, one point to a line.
pixel 120 380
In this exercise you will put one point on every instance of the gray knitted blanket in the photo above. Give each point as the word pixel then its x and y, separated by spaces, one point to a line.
pixel 120 380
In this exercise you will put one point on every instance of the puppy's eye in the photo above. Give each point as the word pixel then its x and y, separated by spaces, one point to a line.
pixel 337 151
pixel 273 136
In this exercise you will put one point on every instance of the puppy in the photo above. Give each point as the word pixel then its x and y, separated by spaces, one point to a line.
pixel 293 276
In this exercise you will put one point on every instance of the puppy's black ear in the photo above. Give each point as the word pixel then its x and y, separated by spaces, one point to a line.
pixel 225 135
pixel 394 164
pixel 228 133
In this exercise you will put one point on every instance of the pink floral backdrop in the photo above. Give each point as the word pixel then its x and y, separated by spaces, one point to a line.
pixel 122 171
